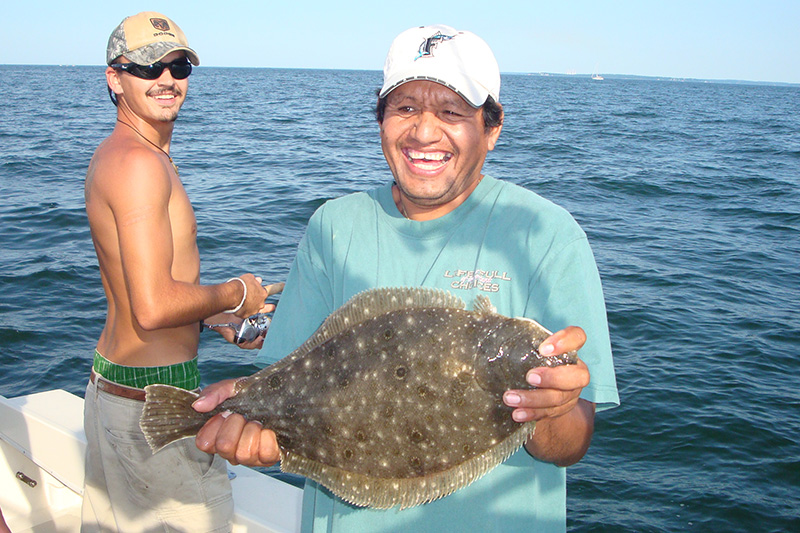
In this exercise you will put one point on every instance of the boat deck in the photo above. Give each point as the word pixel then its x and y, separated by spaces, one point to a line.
pixel 42 448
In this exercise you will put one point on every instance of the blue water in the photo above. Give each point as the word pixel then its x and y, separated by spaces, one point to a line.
pixel 689 192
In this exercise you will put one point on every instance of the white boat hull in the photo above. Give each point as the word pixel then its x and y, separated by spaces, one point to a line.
pixel 42 449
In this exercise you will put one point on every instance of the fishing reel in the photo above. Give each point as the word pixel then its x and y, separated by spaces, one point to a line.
pixel 249 330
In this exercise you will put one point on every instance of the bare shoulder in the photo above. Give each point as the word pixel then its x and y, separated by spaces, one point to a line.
pixel 126 172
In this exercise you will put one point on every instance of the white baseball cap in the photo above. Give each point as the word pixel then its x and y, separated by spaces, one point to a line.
pixel 459 60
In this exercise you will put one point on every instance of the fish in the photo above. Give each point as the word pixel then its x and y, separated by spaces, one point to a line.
pixel 395 400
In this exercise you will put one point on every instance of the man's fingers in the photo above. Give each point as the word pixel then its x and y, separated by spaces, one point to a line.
pixel 538 399
pixel 254 344
pixel 257 446
pixel 249 443
pixel 563 341
pixel 563 377
pixel 238 441
pixel 228 436
pixel 206 438
pixel 269 453
pixel 539 404
pixel 213 395
pixel 556 392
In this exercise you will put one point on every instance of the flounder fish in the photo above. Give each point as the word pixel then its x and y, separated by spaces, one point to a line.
pixel 395 400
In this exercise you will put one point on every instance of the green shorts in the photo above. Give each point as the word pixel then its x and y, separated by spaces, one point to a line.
pixel 184 375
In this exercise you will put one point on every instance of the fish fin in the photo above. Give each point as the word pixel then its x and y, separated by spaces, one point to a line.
pixel 361 307
pixel 483 306
pixel 373 302
pixel 168 415
pixel 383 493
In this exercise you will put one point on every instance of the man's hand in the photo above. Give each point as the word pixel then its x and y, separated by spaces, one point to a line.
pixel 229 333
pixel 230 435
pixel 254 301
pixel 562 432
pixel 556 388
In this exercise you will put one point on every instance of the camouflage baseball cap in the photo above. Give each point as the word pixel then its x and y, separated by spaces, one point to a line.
pixel 146 38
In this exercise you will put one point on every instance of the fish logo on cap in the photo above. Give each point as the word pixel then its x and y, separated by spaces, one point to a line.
pixel 427 46
pixel 160 24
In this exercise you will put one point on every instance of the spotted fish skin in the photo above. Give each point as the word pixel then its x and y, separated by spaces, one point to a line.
pixel 395 400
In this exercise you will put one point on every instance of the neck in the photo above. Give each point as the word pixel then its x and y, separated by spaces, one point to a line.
pixel 163 147
pixel 158 136
pixel 421 212
pixel 157 132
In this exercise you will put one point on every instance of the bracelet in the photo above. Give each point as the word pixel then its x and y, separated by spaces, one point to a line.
pixel 244 296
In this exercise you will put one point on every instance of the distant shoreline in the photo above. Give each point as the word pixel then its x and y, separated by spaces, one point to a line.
pixel 541 74
pixel 661 78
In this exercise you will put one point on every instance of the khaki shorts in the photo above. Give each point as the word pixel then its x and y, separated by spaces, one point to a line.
pixel 129 489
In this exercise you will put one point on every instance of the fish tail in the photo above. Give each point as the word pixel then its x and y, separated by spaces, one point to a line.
pixel 168 415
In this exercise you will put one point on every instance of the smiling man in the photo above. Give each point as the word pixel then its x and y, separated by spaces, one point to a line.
pixel 442 223
pixel 435 143
pixel 145 235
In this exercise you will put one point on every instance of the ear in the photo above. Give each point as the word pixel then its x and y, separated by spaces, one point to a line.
pixel 494 133
pixel 379 113
pixel 112 78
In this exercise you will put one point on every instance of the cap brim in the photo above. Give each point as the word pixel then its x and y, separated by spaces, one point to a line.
pixel 147 55
pixel 474 95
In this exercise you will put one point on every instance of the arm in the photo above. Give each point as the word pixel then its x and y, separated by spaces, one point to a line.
pixel 567 290
pixel 156 238
pixel 565 423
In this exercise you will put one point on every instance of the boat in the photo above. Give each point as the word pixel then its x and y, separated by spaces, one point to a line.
pixel 597 77
pixel 42 450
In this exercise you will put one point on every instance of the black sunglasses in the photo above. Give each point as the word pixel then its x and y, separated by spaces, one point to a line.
pixel 180 69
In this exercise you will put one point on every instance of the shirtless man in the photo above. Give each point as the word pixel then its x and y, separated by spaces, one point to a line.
pixel 144 232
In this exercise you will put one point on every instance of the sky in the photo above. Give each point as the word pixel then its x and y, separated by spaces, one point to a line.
pixel 756 40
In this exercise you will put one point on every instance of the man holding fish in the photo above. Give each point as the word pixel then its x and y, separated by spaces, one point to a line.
pixel 443 224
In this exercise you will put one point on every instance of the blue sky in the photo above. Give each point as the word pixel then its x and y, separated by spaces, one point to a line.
pixel 745 40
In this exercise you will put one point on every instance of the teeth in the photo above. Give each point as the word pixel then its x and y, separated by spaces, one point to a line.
pixel 428 156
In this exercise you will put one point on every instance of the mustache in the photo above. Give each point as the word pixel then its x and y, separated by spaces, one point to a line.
pixel 173 89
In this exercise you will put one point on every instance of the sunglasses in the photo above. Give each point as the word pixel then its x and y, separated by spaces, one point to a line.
pixel 180 69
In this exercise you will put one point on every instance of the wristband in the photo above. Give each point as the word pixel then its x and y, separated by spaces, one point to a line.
pixel 244 296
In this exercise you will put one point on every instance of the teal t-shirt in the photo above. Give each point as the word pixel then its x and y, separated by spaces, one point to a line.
pixel 526 254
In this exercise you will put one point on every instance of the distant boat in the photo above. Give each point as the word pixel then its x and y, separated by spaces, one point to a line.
pixel 597 77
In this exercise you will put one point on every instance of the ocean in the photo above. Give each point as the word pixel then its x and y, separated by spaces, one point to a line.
pixel 689 193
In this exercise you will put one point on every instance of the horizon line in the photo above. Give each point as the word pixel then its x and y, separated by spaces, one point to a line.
pixel 509 73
